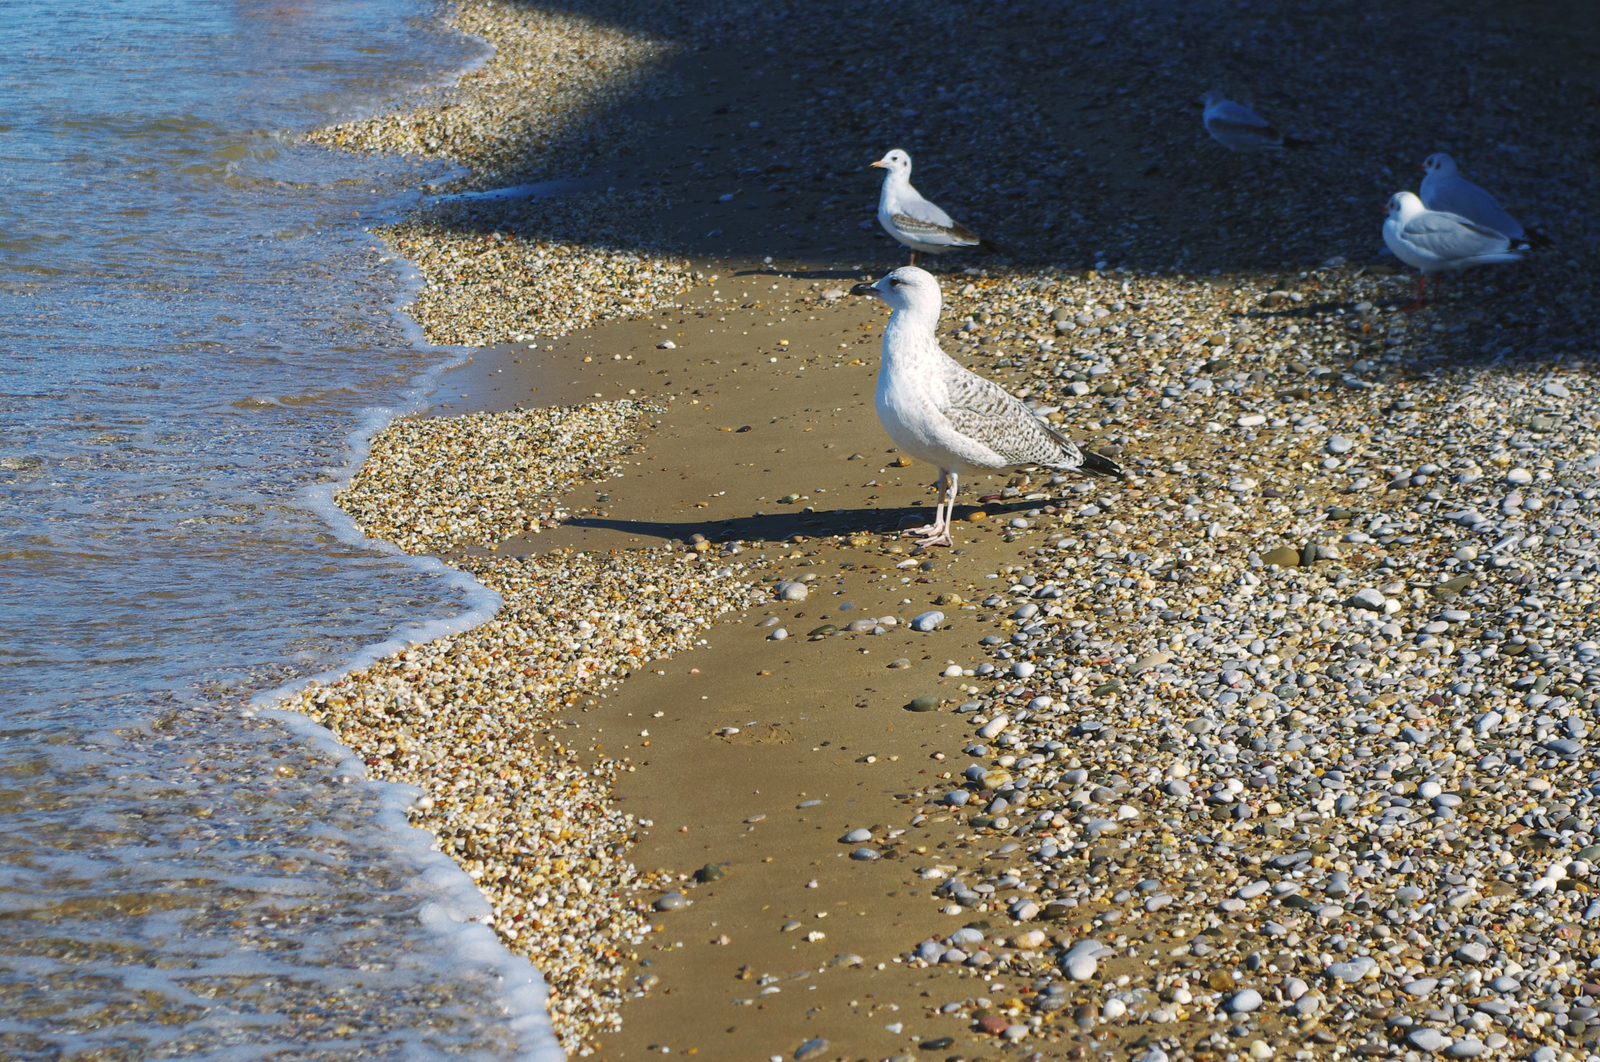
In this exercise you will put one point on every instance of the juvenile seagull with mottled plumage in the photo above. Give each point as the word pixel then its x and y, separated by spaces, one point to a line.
pixel 913 220
pixel 955 420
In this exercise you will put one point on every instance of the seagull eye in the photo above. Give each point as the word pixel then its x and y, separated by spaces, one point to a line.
pixel 893 283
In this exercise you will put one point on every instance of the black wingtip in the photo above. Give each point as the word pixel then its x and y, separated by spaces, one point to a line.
pixel 1535 240
pixel 1297 144
pixel 1100 465
pixel 988 245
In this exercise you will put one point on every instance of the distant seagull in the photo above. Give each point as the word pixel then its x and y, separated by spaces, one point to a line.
pixel 1436 242
pixel 914 221
pixel 955 420
pixel 1241 130
pixel 1444 189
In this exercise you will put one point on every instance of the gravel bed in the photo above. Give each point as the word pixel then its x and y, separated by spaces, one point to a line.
pixel 435 484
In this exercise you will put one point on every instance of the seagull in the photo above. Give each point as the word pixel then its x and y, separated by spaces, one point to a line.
pixel 914 221
pixel 955 420
pixel 1444 189
pixel 1241 130
pixel 1436 242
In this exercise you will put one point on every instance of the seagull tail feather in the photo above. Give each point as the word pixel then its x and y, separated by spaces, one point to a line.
pixel 1099 465
pixel 986 244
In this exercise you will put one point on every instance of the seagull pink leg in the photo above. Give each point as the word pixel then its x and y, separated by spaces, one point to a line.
pixel 938 532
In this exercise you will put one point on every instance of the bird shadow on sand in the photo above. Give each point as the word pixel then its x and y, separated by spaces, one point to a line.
pixel 785 527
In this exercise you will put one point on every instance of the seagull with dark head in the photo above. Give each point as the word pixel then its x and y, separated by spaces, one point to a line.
pixel 1445 191
pixel 955 420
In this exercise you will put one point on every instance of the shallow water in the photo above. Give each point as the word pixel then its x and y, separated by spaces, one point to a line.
pixel 194 327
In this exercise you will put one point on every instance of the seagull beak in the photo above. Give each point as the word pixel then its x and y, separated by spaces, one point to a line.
pixel 869 290
pixel 880 164
pixel 1421 167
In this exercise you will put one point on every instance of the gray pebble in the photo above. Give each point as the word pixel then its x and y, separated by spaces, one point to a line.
pixel 1352 971
pixel 1426 1039
pixel 856 836
pixel 1367 598
pixel 1244 1001
pixel 672 901
pixel 811 1047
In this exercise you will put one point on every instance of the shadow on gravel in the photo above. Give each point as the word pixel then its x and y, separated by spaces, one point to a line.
pixel 1071 132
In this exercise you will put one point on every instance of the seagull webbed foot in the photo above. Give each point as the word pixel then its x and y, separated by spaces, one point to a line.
pixel 934 534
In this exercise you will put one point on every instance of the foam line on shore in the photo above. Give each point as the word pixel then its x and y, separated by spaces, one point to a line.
pixel 455 906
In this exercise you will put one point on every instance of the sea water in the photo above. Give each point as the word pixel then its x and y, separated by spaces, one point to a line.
pixel 197 334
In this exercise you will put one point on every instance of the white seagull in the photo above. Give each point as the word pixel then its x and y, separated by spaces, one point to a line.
pixel 914 221
pixel 955 420
pixel 1444 189
pixel 1436 242
pixel 1241 130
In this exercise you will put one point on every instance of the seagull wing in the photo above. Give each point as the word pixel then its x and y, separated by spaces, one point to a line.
pixel 986 413
pixel 1237 116
pixel 1451 238
pixel 955 234
pixel 914 206
pixel 1461 197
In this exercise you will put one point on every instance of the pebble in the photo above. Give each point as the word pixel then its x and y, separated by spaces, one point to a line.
pixel 1338 444
pixel 865 855
pixel 1425 1039
pixel 1466 1047
pixel 856 836
pixel 928 621
pixel 1352 971
pixel 993 727
pixel 1082 960
pixel 1244 1001
pixel 814 1046
pixel 672 901
pixel 1369 599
